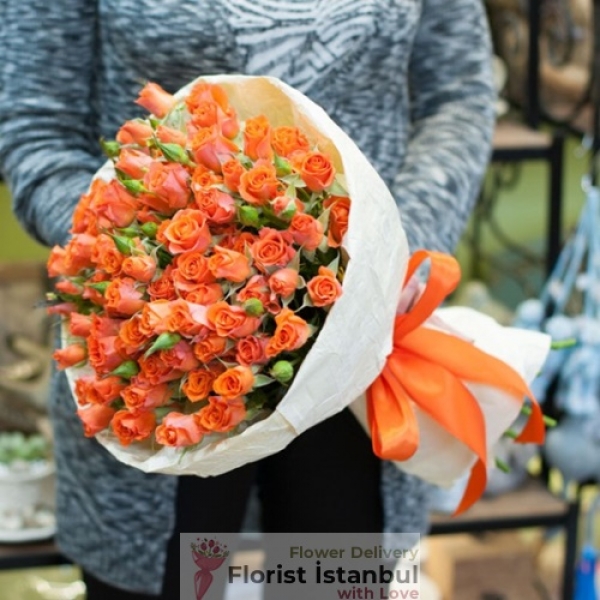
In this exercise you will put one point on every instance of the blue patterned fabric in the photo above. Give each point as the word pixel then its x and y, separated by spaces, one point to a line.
pixel 409 80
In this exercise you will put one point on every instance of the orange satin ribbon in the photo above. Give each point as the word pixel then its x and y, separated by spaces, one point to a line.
pixel 427 369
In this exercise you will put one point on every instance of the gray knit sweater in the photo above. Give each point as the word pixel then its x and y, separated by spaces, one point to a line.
pixel 409 81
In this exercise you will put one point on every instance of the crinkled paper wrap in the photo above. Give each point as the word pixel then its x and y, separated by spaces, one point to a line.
pixel 351 349
pixel 440 458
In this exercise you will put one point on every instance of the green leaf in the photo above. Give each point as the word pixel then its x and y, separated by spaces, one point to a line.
pixel 126 370
pixel 282 166
pixel 165 341
pixel 336 188
pixel 262 380
pixel 124 244
pixel 100 286
pixel 500 464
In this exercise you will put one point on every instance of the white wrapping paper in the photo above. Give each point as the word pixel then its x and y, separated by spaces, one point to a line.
pixel 352 346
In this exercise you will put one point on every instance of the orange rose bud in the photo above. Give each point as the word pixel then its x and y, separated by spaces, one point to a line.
pixel 291 333
pixel 133 426
pixel 229 265
pixel 211 149
pixel 102 353
pixel 156 100
pixel 168 135
pixel 338 219
pixel 169 181
pixel 163 288
pixel 306 231
pixel 56 262
pixel 221 414
pixel 80 325
pixel 95 418
pixel 143 395
pixel 133 162
pixel 284 282
pixel 234 382
pixel 257 138
pixel 178 430
pixel 218 206
pixel 232 172
pixel 324 289
pixel 204 293
pixel 123 298
pixel 198 384
pixel 317 171
pixel 105 390
pixel 70 356
pixel 134 132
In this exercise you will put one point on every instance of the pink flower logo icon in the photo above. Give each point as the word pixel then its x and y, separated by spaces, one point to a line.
pixel 208 555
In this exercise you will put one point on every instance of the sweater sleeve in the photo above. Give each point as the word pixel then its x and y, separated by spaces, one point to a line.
pixel 452 113
pixel 47 133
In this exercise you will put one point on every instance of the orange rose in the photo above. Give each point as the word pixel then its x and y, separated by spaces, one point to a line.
pixel 338 219
pixel 156 100
pixel 256 287
pixel 56 262
pixel 103 326
pixel 153 320
pixel 191 268
pixel 102 353
pixel 84 219
pixel 155 371
pixel 204 178
pixel 251 351
pixel 204 113
pixel 257 138
pixel 169 181
pixel 141 268
pixel 317 171
pixel 168 135
pixel 123 297
pixel 306 231
pixel 287 204
pixel 229 265
pixel 131 339
pixel 80 325
pixel 114 206
pixel 272 249
pixel 206 92
pixel 204 293
pixel 106 256
pixel 291 333
pixel 69 356
pixel 95 418
pixel 232 172
pixel 134 132
pixel 66 286
pixel 186 318
pixel 288 140
pixel 186 232
pixel 133 426
pixel 163 288
pixel 211 149
pixel 140 394
pixel 210 347
pixel 178 430
pixel 89 293
pixel 259 184
pixel 239 241
pixel 221 415
pixel 208 104
pixel 134 163
pixel 324 289
pixel 231 321
pixel 234 382
pixel 284 282
pixel 218 206
pixel 83 387
pixel 78 253
pixel 198 384
pixel 105 390
pixel 180 357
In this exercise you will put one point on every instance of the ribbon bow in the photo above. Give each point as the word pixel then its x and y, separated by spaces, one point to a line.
pixel 427 369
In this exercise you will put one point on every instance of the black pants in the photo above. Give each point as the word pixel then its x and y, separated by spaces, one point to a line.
pixel 326 481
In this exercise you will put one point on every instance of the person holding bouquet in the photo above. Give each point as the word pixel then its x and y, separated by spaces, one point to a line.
pixel 409 81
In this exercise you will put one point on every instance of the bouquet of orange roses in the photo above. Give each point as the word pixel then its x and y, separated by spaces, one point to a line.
pixel 233 279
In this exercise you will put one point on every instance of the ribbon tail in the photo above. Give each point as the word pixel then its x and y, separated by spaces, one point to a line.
pixel 534 431
pixel 392 419
pixel 475 487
